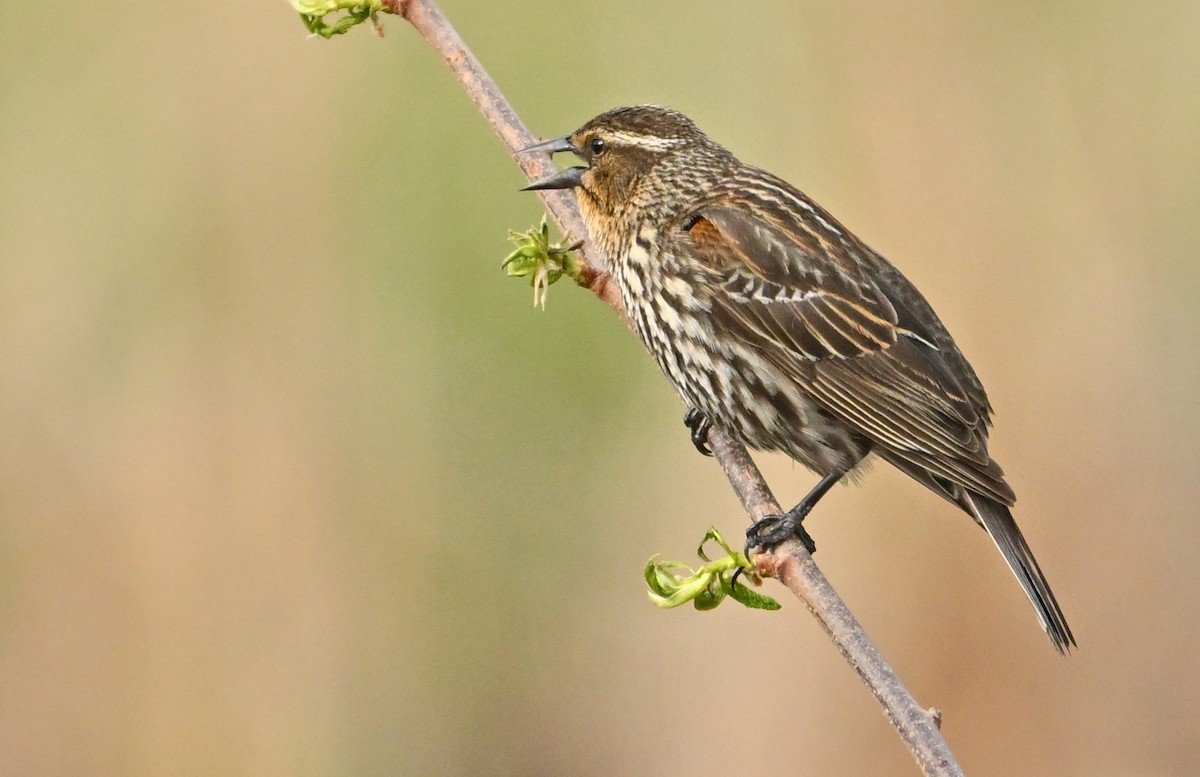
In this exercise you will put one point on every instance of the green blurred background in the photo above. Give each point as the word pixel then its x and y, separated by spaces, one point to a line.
pixel 294 482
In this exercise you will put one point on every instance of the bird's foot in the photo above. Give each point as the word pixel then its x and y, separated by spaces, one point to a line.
pixel 699 424
pixel 771 530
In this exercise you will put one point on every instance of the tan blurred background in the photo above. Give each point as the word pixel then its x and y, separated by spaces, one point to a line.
pixel 294 482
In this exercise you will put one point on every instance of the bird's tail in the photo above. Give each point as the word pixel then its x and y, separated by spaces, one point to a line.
pixel 999 523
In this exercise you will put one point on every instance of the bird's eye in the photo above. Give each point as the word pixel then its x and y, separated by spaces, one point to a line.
pixel 596 145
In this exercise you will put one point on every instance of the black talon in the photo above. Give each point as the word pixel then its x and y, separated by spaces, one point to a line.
pixel 699 424
pixel 736 574
pixel 770 530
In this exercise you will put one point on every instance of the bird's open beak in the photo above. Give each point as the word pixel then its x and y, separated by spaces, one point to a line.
pixel 552 146
pixel 563 179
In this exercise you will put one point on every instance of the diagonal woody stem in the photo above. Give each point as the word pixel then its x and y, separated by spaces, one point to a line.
pixel 790 563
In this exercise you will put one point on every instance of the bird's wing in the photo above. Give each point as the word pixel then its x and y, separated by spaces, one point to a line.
pixel 805 298
pixel 794 289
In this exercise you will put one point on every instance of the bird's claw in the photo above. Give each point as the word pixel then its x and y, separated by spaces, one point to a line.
pixel 771 530
pixel 733 581
pixel 699 424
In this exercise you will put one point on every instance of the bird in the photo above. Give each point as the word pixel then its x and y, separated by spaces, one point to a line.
pixel 776 323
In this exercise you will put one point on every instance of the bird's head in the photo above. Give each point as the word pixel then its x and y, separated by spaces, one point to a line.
pixel 633 155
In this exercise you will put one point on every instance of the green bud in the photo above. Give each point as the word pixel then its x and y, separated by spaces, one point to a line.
pixel 672 583
pixel 314 13
pixel 543 262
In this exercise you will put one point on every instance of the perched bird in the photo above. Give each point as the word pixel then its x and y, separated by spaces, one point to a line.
pixel 776 323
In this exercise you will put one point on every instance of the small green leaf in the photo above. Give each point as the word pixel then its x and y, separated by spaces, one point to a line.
pixel 711 596
pixel 746 595
pixel 688 590
pixel 658 581
pixel 715 536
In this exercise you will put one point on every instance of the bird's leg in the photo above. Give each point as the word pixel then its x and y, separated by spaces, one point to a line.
pixel 699 424
pixel 771 530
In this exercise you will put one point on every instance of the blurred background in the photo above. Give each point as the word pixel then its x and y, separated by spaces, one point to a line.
pixel 293 481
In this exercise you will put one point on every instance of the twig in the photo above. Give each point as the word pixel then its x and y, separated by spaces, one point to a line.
pixel 790 563
pixel 793 566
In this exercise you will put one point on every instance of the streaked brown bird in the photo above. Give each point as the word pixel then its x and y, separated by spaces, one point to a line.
pixel 776 323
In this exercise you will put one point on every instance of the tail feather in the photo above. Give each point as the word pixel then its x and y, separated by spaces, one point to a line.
pixel 1000 526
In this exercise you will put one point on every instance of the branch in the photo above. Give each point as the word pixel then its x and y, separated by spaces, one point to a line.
pixel 790 563
pixel 793 565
